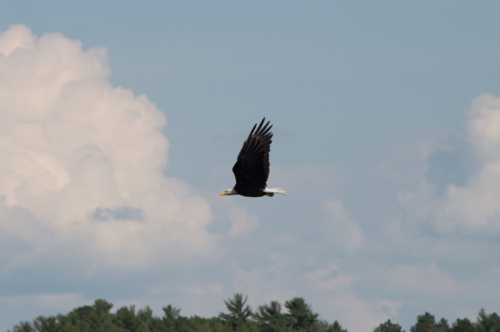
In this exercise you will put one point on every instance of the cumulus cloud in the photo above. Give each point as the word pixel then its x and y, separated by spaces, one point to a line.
pixel 82 162
pixel 469 202
pixel 476 205
pixel 442 242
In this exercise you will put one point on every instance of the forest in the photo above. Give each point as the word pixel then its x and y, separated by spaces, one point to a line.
pixel 296 315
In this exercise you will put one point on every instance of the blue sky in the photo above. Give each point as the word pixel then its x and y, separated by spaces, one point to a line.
pixel 385 126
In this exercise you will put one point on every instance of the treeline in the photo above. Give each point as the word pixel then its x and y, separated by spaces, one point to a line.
pixel 427 323
pixel 240 317
pixel 296 316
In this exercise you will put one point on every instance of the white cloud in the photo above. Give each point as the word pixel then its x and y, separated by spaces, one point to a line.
pixel 17 37
pixel 472 207
pixel 476 206
pixel 71 146
pixel 482 126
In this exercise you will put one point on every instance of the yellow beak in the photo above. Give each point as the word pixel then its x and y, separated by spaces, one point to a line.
pixel 223 193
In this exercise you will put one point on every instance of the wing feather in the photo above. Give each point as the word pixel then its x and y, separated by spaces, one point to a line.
pixel 251 169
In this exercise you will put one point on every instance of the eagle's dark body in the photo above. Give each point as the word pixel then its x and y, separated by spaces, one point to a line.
pixel 252 167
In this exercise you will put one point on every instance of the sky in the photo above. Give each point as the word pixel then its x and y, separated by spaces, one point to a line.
pixel 120 122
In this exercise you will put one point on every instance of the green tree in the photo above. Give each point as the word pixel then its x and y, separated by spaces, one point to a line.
pixel 389 326
pixel 300 314
pixel 23 327
pixel 170 315
pixel 425 323
pixel 127 319
pixel 335 327
pixel 239 312
pixel 463 325
pixel 443 325
pixel 46 324
pixel 487 323
pixel 200 324
pixel 270 318
pixel 96 317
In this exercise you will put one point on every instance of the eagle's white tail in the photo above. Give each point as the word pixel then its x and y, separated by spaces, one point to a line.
pixel 275 191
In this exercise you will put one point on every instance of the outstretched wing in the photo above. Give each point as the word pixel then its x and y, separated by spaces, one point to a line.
pixel 252 167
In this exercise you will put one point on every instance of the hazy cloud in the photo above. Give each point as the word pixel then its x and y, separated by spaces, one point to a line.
pixel 468 177
pixel 70 144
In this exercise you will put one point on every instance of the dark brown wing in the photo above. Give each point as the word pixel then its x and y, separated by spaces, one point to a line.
pixel 252 167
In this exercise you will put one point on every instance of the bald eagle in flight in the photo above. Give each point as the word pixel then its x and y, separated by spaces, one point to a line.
pixel 252 167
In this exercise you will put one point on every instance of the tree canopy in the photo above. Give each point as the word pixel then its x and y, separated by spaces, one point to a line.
pixel 295 316
pixel 427 323
pixel 240 317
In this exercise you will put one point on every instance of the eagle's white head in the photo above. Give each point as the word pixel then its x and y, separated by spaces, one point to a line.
pixel 228 192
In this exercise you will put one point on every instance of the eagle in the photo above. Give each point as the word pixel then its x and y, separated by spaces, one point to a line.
pixel 252 166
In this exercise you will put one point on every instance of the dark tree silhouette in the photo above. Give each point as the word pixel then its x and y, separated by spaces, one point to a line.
pixel 443 326
pixel 389 326
pixel 488 323
pixel 335 327
pixel 298 317
pixel 170 315
pixel 300 314
pixel 270 318
pixel 238 311
pixel 463 325
pixel 425 323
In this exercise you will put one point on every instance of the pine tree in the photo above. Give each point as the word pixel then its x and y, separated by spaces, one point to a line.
pixel 170 315
pixel 443 325
pixel 270 318
pixel 488 323
pixel 425 323
pixel 335 327
pixel 389 326
pixel 300 314
pixel 238 312
pixel 463 325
